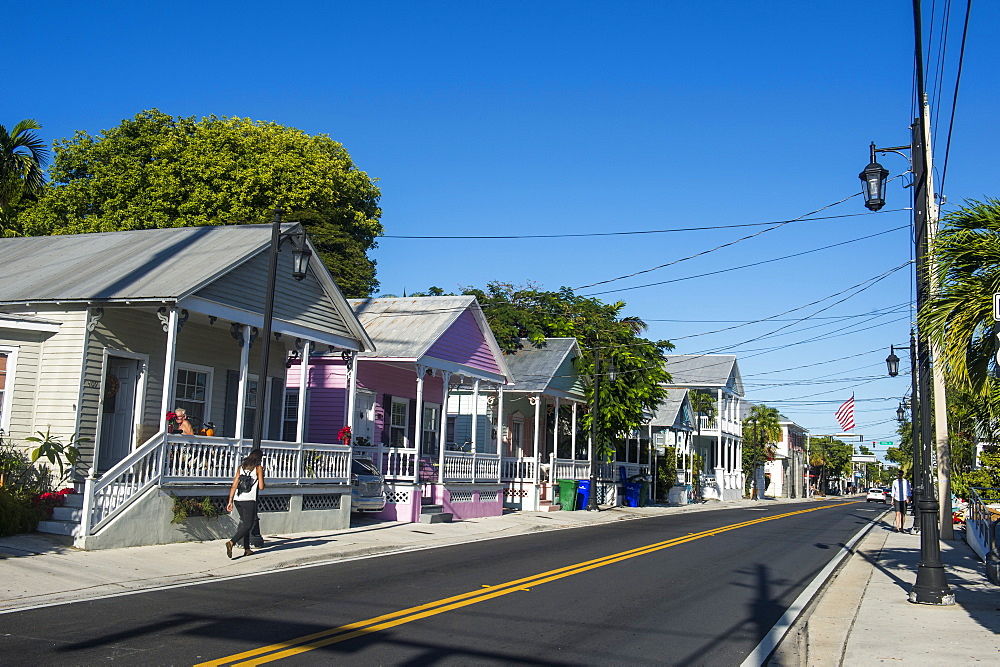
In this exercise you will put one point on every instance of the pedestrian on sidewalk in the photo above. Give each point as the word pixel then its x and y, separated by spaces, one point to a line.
pixel 248 479
pixel 900 494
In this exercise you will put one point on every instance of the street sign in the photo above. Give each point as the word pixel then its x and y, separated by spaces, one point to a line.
pixel 886 444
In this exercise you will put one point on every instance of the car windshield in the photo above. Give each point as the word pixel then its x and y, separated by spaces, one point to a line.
pixel 363 467
pixel 874 490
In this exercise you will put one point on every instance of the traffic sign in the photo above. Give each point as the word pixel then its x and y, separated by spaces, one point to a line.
pixel 886 444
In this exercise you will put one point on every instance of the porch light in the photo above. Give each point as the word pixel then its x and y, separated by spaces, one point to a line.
pixel 901 414
pixel 300 255
pixel 874 176
pixel 892 362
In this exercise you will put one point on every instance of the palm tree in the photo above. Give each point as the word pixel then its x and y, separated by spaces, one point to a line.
pixel 761 429
pixel 958 318
pixel 22 154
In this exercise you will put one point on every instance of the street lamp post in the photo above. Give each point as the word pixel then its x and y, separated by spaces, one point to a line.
pixel 300 266
pixel 592 495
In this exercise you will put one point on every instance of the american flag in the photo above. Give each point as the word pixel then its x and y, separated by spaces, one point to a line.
pixel 845 414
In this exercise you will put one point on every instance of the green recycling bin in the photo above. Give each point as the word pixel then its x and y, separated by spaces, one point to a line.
pixel 567 494
pixel 644 494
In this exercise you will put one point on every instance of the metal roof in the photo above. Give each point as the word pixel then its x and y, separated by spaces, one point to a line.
pixel 534 368
pixel 406 327
pixel 668 411
pixel 703 370
pixel 139 265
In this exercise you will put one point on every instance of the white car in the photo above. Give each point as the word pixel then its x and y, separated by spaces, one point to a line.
pixel 367 486
pixel 876 495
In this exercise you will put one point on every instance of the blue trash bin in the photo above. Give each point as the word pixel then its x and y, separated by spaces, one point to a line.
pixel 582 494
pixel 633 493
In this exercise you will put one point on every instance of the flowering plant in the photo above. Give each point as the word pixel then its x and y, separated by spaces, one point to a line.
pixel 47 501
pixel 171 416
pixel 344 435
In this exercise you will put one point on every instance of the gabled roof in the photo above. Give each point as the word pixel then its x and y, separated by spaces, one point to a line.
pixel 704 370
pixel 148 266
pixel 535 368
pixel 406 328
pixel 668 412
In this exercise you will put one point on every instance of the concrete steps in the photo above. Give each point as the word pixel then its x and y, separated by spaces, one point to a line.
pixel 434 514
pixel 66 519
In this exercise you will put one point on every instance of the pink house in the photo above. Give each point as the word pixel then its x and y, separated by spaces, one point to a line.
pixel 395 401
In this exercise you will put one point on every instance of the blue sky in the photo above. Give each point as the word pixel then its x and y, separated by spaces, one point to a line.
pixel 534 118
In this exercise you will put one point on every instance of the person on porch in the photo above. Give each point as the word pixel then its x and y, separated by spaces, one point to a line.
pixel 183 425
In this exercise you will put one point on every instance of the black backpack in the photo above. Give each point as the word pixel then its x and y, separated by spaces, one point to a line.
pixel 246 482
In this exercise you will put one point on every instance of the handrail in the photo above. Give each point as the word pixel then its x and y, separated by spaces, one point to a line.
pixel 981 518
pixel 107 496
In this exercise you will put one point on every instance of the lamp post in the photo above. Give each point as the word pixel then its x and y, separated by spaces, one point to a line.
pixel 300 267
pixel 592 496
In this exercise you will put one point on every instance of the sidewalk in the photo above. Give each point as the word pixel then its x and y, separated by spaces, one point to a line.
pixel 862 617
pixel 40 570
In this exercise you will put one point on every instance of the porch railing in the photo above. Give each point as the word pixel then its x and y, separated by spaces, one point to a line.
pixel 181 459
pixel 570 469
pixel 471 467
pixel 981 517
pixel 518 469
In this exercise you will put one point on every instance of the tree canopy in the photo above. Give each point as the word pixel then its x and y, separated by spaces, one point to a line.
pixel 761 430
pixel 155 170
pixel 630 392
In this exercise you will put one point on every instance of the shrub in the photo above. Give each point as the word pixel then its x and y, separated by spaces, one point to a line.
pixel 17 514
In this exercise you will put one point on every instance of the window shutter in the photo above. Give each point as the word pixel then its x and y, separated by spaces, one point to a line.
pixel 232 403
pixel 275 413
pixel 411 425
pixel 386 418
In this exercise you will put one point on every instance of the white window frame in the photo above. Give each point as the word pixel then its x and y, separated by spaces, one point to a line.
pixel 7 400
pixel 405 402
pixel 209 385
pixel 290 423
pixel 428 428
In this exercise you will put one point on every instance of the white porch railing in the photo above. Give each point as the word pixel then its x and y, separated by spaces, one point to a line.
pixel 570 469
pixel 518 469
pixel 471 467
pixel 189 459
pixel 981 517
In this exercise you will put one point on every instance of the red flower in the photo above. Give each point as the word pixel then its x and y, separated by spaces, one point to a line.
pixel 344 434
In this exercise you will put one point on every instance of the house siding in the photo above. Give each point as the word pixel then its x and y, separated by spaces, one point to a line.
pixel 304 303
pixel 464 343
pixel 139 331
pixel 22 380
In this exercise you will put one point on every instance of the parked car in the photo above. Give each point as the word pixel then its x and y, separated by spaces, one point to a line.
pixel 367 487
pixel 876 495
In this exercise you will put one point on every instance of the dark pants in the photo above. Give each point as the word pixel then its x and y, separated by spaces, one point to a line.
pixel 248 511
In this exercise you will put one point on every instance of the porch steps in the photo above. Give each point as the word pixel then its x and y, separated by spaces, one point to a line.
pixel 547 506
pixel 434 514
pixel 66 519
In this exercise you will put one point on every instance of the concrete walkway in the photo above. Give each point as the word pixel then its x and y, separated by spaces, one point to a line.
pixel 861 617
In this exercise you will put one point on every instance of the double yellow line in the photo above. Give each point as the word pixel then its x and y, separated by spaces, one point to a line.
pixel 343 633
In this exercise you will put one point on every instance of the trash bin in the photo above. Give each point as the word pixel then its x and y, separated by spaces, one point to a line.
pixel 633 491
pixel 582 494
pixel 567 494
pixel 644 494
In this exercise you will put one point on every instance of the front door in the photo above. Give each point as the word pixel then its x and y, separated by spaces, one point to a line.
pixel 364 419
pixel 117 435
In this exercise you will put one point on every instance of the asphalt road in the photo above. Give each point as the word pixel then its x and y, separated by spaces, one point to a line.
pixel 681 589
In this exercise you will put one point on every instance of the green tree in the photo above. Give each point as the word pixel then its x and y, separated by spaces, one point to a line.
pixel 828 457
pixel 761 430
pixel 634 387
pixel 155 170
pixel 22 179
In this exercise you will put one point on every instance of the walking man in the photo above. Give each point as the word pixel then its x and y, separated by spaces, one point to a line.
pixel 900 494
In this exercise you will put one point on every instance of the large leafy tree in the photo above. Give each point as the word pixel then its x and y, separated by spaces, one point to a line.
pixel 827 457
pixel 761 430
pixel 155 170
pixel 628 393
pixel 22 178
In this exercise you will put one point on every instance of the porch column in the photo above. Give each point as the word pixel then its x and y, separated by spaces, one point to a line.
pixel 537 400
pixel 720 418
pixel 351 359
pixel 300 414
pixel 572 435
pixel 442 431
pixel 417 430
pixel 555 431
pixel 241 400
pixel 168 363
pixel 500 420
pixel 475 415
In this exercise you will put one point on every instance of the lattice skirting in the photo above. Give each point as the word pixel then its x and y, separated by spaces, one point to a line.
pixel 273 503
pixel 324 501
pixel 398 496
pixel 515 493
pixel 462 496
pixel 489 496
